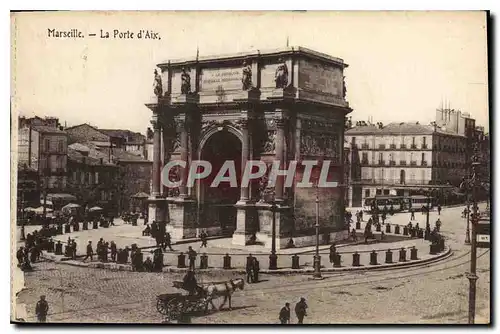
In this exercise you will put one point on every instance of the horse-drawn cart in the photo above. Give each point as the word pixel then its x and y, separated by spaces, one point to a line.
pixel 174 305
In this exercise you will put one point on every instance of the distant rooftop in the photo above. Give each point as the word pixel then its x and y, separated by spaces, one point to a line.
pixel 47 129
pixel 397 128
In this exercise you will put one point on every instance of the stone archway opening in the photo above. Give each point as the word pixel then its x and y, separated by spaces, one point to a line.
pixel 217 203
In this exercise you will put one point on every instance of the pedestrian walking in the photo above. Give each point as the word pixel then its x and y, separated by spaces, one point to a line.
pixel 301 310
pixel 439 209
pixel 285 314
pixel 192 258
pixel 90 252
pixel 168 242
pixel 113 251
pixel 42 309
pixel 73 249
pixel 203 237
pixel 412 214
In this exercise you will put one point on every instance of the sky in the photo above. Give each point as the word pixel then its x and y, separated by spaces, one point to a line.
pixel 402 65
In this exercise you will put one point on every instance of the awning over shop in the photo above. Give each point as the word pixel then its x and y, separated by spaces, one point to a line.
pixel 61 196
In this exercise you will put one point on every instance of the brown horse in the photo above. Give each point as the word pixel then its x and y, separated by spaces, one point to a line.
pixel 223 289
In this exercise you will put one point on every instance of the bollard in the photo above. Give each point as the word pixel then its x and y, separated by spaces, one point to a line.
pixel 67 250
pixel 413 233
pixel 378 227
pixel 337 260
pixel 51 246
pixel 140 261
pixel 373 258
pixel 95 225
pixel 59 229
pixel 421 233
pixel 181 260
pixel 405 230
pixel 204 261
pixel 402 255
pixel 388 228
pixel 355 259
pixel 358 225
pixel 388 256
pixel 441 245
pixel 58 248
pixel 413 253
pixel 67 228
pixel 433 249
pixel 295 262
pixel 85 226
pixel 227 261
pixel 396 229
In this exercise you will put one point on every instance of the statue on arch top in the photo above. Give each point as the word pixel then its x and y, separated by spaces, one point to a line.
pixel 157 86
pixel 344 88
pixel 281 75
pixel 246 78
pixel 185 81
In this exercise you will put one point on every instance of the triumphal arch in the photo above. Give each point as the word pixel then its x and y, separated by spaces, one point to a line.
pixel 280 105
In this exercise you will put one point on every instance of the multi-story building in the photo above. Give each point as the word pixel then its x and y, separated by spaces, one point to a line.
pixel 28 188
pixel 403 159
pixel 109 140
pixel 44 148
pixel 92 178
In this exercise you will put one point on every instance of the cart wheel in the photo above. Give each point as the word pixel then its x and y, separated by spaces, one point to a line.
pixel 160 306
pixel 174 309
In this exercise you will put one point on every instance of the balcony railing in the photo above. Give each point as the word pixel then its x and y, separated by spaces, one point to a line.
pixel 402 163
pixel 392 163
pixel 424 146
pixel 381 163
pixel 392 146
pixel 413 146
pixel 364 162
pixel 365 146
pixel 403 146
pixel 413 163
pixel 381 146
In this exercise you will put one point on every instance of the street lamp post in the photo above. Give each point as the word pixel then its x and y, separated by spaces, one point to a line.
pixel 317 258
pixel 427 224
pixel 471 276
pixel 273 258
pixel 467 231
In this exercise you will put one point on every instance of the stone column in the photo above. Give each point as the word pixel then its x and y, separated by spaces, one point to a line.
pixel 156 177
pixel 245 151
pixel 184 157
pixel 280 156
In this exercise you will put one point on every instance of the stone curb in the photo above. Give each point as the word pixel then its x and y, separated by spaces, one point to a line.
pixel 284 271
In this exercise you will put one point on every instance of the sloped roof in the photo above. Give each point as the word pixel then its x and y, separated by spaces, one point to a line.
pixel 365 129
pixel 47 129
pixel 407 128
pixel 122 155
pixel 129 136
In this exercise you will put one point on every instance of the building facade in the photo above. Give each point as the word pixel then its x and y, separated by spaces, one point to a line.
pixel 93 179
pixel 403 159
pixel 44 148
pixel 281 105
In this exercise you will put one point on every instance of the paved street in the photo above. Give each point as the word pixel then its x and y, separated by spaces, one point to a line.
pixel 436 293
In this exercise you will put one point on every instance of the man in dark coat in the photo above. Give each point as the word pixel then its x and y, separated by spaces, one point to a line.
pixel 113 251
pixel 203 237
pixel 285 314
pixel 189 282
pixel 168 242
pixel 90 252
pixel 192 258
pixel 148 265
pixel 301 310
pixel 20 256
pixel 41 309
